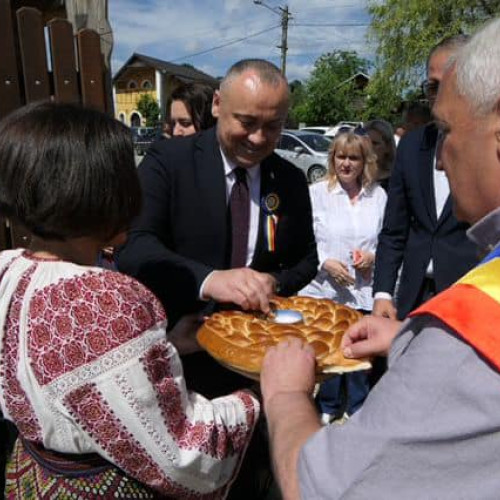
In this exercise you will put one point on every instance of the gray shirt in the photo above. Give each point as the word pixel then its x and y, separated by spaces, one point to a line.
pixel 430 429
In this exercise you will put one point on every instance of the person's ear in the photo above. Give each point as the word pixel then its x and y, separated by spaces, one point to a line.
pixel 216 104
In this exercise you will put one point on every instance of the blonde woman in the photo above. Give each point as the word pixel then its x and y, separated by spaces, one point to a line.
pixel 348 208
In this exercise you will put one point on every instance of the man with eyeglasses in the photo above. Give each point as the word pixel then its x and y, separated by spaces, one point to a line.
pixel 420 232
pixel 429 429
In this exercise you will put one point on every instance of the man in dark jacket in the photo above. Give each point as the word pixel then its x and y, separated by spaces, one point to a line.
pixel 420 231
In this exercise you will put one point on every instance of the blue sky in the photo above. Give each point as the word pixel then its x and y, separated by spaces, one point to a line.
pixel 175 30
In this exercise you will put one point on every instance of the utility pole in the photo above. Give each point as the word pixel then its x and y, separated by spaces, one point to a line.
pixel 285 15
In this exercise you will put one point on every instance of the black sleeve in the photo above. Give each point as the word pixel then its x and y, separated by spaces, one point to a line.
pixel 147 254
pixel 392 239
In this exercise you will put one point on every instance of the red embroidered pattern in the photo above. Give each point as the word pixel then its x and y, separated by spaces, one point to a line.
pixel 16 400
pixel 94 415
pixel 76 320
pixel 218 441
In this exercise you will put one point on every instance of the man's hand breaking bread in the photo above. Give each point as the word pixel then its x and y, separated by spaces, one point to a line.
pixel 245 287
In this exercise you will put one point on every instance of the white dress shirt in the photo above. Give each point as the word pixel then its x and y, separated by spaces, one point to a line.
pixel 340 227
pixel 253 183
pixel 441 193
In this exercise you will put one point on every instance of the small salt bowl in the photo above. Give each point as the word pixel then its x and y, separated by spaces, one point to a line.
pixel 287 316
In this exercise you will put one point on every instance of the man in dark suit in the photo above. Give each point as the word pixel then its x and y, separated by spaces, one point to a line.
pixel 181 245
pixel 419 230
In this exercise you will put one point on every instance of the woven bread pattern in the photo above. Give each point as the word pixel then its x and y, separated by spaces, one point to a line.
pixel 240 339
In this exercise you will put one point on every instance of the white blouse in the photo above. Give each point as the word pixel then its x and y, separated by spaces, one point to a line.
pixel 86 366
pixel 339 228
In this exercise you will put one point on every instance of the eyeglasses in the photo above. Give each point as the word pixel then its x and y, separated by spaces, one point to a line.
pixel 360 131
pixel 430 87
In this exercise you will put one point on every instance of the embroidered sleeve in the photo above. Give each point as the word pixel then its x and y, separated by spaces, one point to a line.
pixel 132 404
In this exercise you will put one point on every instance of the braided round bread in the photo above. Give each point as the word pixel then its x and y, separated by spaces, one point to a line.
pixel 239 339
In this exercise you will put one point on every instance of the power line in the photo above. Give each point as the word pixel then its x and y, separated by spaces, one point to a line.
pixel 339 25
pixel 242 39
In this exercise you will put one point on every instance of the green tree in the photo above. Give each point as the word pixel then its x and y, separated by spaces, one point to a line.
pixel 297 95
pixel 149 109
pixel 331 94
pixel 405 31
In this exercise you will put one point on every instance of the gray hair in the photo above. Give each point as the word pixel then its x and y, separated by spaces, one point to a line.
pixel 267 72
pixel 450 43
pixel 477 68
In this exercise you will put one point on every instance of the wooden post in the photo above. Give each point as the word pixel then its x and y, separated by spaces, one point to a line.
pixel 33 54
pixel 91 69
pixel 10 90
pixel 63 61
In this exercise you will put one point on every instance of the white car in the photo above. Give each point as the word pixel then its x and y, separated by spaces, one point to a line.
pixel 329 132
pixel 306 150
pixel 320 129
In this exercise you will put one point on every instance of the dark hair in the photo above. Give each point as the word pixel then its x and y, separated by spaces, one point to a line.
pixel 67 171
pixel 386 132
pixel 419 111
pixel 197 97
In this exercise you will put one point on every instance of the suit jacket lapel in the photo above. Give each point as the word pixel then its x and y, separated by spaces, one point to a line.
pixel 425 165
pixel 267 185
pixel 211 183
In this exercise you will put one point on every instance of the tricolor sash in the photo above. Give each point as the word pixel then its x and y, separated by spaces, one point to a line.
pixel 471 307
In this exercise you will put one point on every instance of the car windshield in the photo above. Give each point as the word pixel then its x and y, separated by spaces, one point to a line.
pixel 316 142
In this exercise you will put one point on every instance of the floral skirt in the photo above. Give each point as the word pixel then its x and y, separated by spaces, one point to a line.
pixel 27 480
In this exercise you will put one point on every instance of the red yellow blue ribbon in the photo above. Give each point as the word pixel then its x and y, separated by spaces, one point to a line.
pixel 271 224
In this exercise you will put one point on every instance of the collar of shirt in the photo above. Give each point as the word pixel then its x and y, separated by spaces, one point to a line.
pixel 229 166
pixel 441 188
pixel 486 232
pixel 254 191
pixel 338 189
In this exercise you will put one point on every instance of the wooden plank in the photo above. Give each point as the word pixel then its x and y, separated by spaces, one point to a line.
pixel 10 89
pixel 91 69
pixel 33 54
pixel 63 61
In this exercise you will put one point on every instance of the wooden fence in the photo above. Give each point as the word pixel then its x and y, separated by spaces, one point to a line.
pixel 68 68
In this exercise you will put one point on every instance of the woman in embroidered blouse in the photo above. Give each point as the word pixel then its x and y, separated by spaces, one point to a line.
pixel 348 208
pixel 87 372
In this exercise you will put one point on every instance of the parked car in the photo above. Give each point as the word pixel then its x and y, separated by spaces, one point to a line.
pixel 143 137
pixel 306 150
pixel 342 127
pixel 319 129
pixel 331 131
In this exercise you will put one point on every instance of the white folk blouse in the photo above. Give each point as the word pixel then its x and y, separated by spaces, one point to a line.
pixel 339 228
pixel 86 366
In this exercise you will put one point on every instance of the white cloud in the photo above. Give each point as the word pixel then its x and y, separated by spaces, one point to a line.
pixel 174 31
